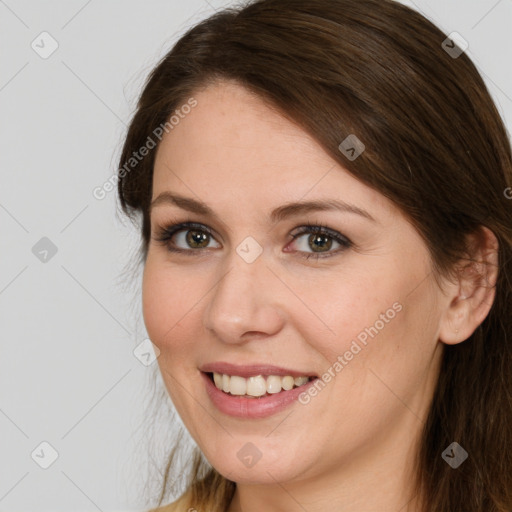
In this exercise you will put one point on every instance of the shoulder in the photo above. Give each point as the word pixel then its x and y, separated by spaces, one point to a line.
pixel 182 504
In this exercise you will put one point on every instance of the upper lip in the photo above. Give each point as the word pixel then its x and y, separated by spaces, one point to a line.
pixel 252 370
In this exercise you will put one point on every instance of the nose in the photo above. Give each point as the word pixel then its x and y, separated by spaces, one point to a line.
pixel 245 302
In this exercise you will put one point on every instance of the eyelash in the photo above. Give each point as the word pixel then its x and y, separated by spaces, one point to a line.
pixel 164 236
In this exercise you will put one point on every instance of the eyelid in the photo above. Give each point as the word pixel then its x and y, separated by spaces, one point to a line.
pixel 318 227
pixel 163 234
pixel 177 223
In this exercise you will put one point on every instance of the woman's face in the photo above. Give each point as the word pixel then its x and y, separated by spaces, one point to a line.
pixel 365 313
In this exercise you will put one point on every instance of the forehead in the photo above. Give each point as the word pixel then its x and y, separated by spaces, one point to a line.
pixel 231 127
pixel 233 144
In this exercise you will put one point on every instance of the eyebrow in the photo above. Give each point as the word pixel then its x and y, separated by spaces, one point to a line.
pixel 278 214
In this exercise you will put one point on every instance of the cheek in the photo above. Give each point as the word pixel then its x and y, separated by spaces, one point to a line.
pixel 155 302
pixel 372 320
pixel 346 308
pixel 166 307
pixel 164 303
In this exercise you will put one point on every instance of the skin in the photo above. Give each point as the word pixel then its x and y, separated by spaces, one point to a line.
pixel 352 447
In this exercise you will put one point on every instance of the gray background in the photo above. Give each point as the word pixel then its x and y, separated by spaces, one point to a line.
pixel 70 323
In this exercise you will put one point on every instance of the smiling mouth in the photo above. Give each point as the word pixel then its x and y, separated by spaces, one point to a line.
pixel 258 386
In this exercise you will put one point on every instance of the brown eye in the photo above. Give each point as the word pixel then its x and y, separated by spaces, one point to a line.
pixel 319 241
pixel 184 237
pixel 195 238
pixel 323 242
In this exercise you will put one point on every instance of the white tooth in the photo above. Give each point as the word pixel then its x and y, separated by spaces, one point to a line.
pixel 237 385
pixel 273 384
pixel 287 382
pixel 225 383
pixel 300 380
pixel 256 386
pixel 217 378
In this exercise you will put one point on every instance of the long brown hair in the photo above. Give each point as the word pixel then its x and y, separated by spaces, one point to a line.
pixel 435 145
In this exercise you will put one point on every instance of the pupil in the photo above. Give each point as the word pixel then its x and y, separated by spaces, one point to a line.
pixel 196 237
pixel 317 240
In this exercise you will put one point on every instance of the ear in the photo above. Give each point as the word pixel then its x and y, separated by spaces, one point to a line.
pixel 472 295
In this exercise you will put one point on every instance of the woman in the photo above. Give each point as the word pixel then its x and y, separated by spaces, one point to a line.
pixel 327 246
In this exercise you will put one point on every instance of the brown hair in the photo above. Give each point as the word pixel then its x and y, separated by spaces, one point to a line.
pixel 435 145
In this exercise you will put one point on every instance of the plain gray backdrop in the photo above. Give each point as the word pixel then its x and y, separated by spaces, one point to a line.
pixel 72 391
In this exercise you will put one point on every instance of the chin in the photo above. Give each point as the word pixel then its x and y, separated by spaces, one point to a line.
pixel 244 463
pixel 257 475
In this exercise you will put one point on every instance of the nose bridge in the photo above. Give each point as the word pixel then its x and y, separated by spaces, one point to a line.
pixel 242 300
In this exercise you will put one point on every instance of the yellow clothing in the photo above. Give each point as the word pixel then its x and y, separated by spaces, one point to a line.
pixel 182 504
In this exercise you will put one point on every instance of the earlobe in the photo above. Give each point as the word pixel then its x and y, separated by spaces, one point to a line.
pixel 473 293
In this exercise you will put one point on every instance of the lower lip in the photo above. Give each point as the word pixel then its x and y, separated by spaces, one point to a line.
pixel 241 407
